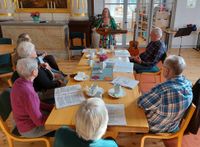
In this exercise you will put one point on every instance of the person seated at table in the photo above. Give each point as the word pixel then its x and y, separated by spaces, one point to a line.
pixel 26 106
pixel 106 22
pixel 167 102
pixel 91 123
pixel 42 56
pixel 146 61
pixel 46 80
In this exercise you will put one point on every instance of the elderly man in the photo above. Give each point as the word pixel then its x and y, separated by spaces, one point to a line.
pixel 166 103
pixel 25 102
pixel 146 61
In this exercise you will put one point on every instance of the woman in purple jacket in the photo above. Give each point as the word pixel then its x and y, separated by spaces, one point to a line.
pixel 26 106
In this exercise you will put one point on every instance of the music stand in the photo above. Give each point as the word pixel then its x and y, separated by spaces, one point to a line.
pixel 182 32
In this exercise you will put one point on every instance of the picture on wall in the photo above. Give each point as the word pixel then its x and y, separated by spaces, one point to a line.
pixel 42 3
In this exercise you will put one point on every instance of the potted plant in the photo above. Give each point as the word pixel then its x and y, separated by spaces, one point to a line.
pixel 36 17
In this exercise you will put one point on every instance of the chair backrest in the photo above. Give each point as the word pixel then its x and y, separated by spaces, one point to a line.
pixel 5 60
pixel 5 41
pixel 5 104
pixel 186 118
pixel 164 56
pixel 78 35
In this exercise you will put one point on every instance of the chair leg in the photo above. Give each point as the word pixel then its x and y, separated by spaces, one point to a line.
pixel 10 142
pixel 142 142
pixel 179 141
pixel 47 143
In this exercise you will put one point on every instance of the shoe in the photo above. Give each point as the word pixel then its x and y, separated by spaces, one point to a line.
pixel 65 75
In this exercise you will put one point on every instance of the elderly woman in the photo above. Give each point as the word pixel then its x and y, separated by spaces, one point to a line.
pixel 91 123
pixel 42 56
pixel 46 80
pixel 25 102
pixel 106 22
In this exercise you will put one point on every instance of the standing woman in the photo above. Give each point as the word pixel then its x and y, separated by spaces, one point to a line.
pixel 106 22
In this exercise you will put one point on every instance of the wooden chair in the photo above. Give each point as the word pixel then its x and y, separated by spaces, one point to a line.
pixel 5 110
pixel 72 37
pixel 149 79
pixel 6 68
pixel 184 123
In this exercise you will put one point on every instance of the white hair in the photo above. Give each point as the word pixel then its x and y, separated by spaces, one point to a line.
pixel 25 49
pixel 157 31
pixel 91 119
pixel 175 63
pixel 25 67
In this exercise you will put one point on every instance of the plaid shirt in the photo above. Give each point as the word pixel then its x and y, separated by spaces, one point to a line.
pixel 166 103
pixel 153 53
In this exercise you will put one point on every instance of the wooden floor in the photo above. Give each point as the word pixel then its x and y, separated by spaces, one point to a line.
pixel 192 71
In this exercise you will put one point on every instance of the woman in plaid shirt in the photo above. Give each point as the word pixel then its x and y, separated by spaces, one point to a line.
pixel 166 103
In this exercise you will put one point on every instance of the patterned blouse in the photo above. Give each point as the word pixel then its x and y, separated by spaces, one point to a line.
pixel 106 40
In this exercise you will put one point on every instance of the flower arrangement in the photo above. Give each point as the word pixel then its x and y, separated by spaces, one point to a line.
pixel 35 14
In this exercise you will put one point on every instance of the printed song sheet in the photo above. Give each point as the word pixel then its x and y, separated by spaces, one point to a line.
pixel 116 114
pixel 125 82
pixel 122 53
pixel 68 96
pixel 121 66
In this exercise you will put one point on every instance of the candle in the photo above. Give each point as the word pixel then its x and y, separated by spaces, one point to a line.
pixel 54 5
pixel 51 4
pixel 21 4
pixel 48 4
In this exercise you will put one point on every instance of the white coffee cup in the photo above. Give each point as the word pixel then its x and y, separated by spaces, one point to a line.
pixel 112 47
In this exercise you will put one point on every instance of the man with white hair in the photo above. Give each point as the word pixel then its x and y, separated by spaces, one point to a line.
pixel 166 103
pixel 155 50
pixel 91 123
pixel 25 102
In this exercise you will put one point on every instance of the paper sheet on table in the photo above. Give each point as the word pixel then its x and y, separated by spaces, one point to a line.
pixel 121 66
pixel 68 96
pixel 125 82
pixel 116 114
pixel 122 53
pixel 88 50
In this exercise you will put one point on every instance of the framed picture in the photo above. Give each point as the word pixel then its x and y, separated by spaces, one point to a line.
pixel 43 5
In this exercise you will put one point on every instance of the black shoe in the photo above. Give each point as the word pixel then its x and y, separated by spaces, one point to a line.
pixel 65 75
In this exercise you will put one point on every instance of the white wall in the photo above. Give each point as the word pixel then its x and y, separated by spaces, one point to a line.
pixel 184 16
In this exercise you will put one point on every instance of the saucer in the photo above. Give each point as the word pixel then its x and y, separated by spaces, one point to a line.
pixel 78 78
pixel 111 93
pixel 101 52
pixel 88 56
pixel 101 90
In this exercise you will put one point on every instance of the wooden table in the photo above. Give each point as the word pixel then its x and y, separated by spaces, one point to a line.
pixel 135 116
pixel 6 48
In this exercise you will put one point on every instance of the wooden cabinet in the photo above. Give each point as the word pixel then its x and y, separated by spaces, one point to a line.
pixel 82 26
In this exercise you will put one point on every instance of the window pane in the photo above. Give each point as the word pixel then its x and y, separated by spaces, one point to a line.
pixel 132 1
pixel 114 1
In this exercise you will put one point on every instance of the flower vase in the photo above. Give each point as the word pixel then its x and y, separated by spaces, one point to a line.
pixel 36 19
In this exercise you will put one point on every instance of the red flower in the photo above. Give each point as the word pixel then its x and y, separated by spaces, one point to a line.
pixel 35 14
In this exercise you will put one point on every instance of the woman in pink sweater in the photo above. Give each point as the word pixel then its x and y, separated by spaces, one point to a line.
pixel 26 106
